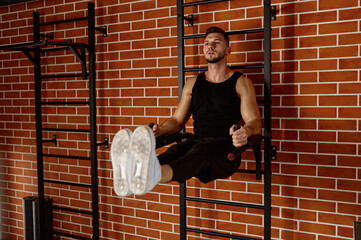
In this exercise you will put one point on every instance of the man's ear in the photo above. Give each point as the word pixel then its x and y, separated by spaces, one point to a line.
pixel 228 51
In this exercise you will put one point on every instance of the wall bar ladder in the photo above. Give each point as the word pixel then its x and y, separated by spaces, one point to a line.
pixel 267 156
pixel 33 52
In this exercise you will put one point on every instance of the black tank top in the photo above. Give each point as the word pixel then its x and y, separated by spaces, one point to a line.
pixel 215 106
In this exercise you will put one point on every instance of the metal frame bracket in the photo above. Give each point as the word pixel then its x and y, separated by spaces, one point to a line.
pixel 105 143
pixel 273 13
pixel 189 19
pixel 53 140
pixel 103 29
pixel 273 152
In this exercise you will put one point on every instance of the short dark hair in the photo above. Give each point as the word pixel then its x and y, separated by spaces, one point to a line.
pixel 217 30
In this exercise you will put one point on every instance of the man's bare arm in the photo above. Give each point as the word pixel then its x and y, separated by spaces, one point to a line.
pixel 249 110
pixel 181 115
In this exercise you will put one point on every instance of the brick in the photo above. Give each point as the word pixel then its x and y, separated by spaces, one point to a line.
pixel 338 52
pixel 160 13
pixel 349 88
pixel 334 4
pixel 345 231
pixel 299 54
pixel 338 76
pixel 337 124
pixel 298 31
pixel 318 65
pixel 346 39
pixel 349 161
pixel 143 5
pixel 298 147
pixel 349 137
pixel 316 182
pixel 300 7
pixel 298 214
pixel 246 24
pixel 337 219
pixel 337 100
pixel 318 89
pixel 352 185
pixel 318 41
pixel 298 170
pixel 318 112
pixel 143 24
pixel 349 208
pixel 338 27
pixel 156 33
pixel 350 112
pixel 317 228
pixel 350 63
pixel 318 17
pixel 299 77
pixel 337 148
pixel 284 43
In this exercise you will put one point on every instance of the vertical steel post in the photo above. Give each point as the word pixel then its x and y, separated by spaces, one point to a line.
pixel 267 120
pixel 39 135
pixel 92 112
pixel 181 81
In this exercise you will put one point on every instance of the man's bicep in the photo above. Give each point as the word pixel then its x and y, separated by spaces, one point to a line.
pixel 249 107
pixel 183 111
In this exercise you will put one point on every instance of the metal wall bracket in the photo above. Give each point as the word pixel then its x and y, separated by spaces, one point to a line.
pixel 82 59
pixel 53 140
pixel 273 13
pixel 105 143
pixel 50 36
pixel 273 152
pixel 103 29
pixel 189 19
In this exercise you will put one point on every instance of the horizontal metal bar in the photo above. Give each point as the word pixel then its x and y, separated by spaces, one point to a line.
pixel 66 130
pixel 64 21
pixel 73 210
pixel 253 66
pixel 54 49
pixel 66 156
pixel 56 233
pixel 21 46
pixel 65 103
pixel 237 204
pixel 220 234
pixel 62 75
pixel 248 171
pixel 68 183
pixel 235 32
pixel 202 2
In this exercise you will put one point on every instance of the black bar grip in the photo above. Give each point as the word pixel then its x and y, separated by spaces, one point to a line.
pixel 167 139
pixel 252 140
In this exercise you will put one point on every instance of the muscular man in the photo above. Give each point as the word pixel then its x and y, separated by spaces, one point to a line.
pixel 217 100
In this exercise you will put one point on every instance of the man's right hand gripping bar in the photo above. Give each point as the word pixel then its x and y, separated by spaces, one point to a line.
pixel 252 141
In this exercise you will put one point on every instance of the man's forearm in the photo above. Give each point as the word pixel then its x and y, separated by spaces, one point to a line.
pixel 169 127
pixel 253 127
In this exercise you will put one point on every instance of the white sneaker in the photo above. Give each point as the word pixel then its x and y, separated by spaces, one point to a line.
pixel 146 169
pixel 120 155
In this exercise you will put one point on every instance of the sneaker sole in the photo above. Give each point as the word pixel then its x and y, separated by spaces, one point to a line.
pixel 142 145
pixel 120 153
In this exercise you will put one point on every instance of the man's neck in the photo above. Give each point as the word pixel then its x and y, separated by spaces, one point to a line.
pixel 218 72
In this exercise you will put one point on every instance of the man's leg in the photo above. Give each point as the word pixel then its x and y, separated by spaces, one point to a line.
pixel 167 173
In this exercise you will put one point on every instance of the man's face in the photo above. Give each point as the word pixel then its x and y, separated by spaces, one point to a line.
pixel 215 47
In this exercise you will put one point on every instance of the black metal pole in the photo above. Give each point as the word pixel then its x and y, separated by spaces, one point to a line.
pixel 39 137
pixel 181 80
pixel 267 119
pixel 92 112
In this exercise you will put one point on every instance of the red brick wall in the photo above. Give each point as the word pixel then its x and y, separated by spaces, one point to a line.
pixel 316 89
